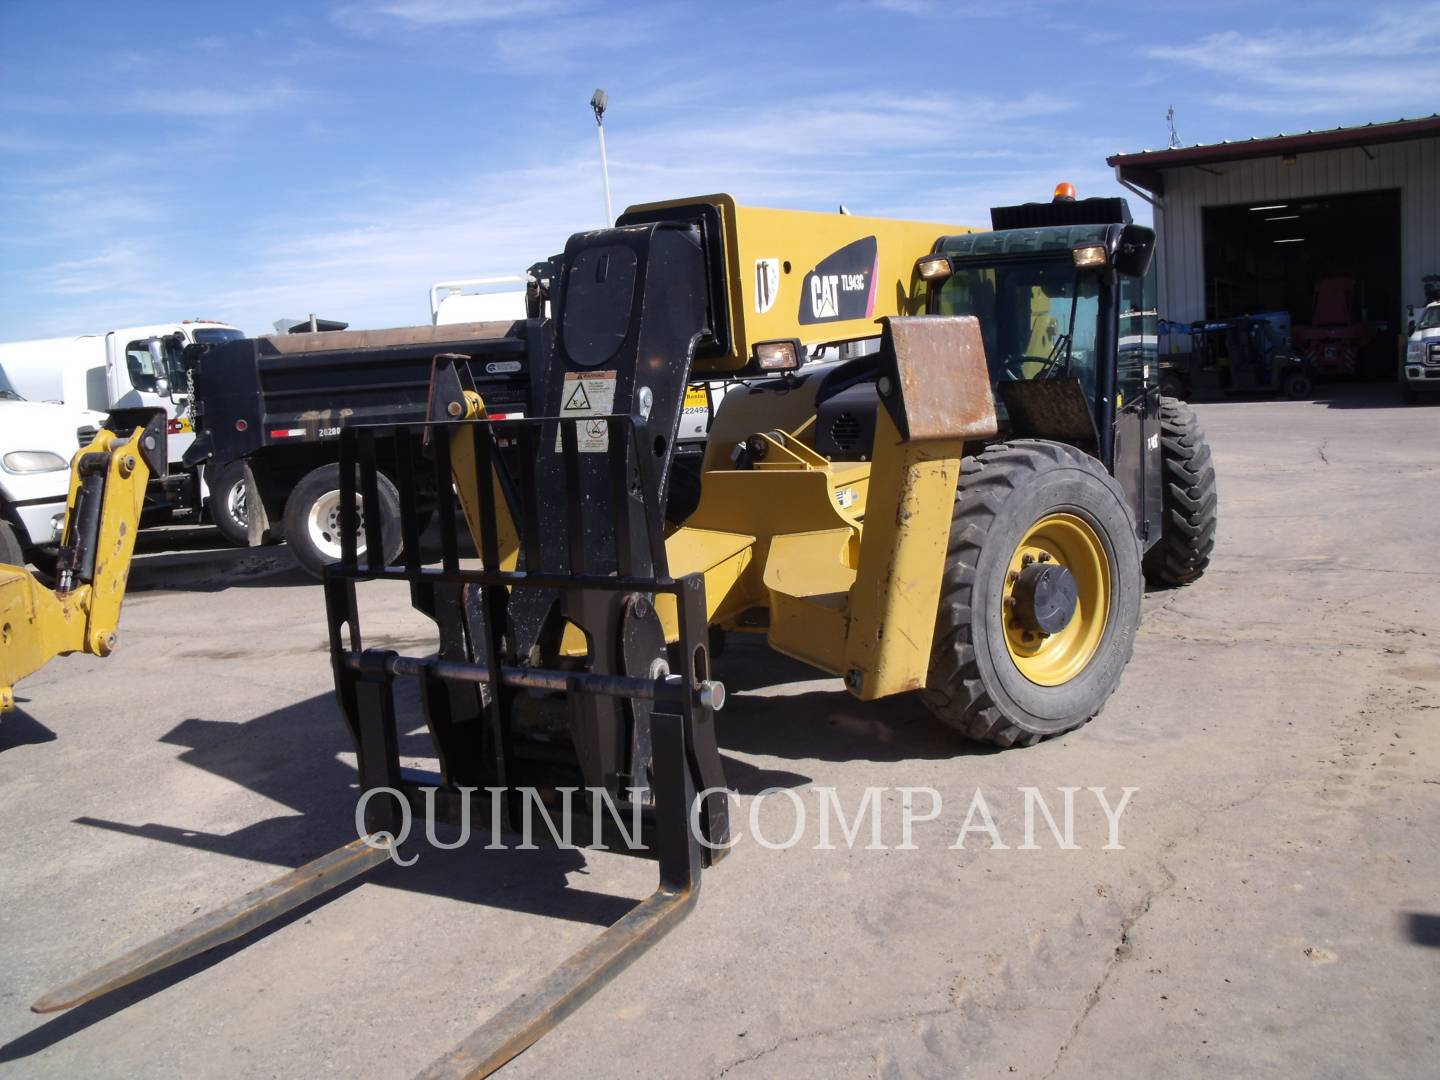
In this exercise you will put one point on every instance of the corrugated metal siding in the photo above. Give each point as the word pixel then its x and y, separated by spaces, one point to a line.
pixel 1413 167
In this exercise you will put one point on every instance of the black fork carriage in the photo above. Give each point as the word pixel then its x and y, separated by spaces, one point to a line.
pixel 567 660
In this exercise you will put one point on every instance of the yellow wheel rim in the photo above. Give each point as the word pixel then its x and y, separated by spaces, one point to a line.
pixel 1070 541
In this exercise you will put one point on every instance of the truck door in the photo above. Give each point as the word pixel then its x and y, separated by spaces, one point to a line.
pixel 141 373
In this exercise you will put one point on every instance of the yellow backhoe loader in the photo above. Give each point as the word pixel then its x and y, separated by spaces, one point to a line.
pixel 82 612
pixel 966 509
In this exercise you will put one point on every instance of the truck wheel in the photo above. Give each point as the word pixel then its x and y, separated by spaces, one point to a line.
pixel 1191 506
pixel 312 519
pixel 1041 595
pixel 12 553
pixel 1297 385
pixel 227 503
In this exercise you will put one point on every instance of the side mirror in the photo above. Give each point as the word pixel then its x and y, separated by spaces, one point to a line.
pixel 1135 251
pixel 162 386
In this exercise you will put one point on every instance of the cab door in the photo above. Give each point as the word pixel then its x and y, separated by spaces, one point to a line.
pixel 142 372
pixel 1137 415
pixel 1137 460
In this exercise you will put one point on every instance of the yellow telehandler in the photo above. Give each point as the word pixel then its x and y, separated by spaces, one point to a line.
pixel 965 507
pixel 102 514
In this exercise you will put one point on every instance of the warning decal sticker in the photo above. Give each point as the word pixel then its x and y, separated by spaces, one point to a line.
pixel 589 393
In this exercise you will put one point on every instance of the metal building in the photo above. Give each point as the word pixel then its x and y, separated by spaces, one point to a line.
pixel 1325 225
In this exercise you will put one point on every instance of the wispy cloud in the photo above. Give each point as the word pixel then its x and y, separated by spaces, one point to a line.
pixel 108 270
pixel 201 102
pixel 1392 60
pixel 378 16
pixel 519 35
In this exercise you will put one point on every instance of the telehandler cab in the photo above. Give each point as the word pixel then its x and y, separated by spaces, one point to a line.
pixel 965 512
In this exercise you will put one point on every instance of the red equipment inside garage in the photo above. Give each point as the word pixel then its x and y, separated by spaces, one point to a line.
pixel 1333 263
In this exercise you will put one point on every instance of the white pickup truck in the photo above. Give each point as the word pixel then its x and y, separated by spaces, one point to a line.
pixel 1420 373
pixel 131 367
pixel 37 441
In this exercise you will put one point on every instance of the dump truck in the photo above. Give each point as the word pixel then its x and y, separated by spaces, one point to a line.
pixel 81 612
pixel 269 412
pixel 967 512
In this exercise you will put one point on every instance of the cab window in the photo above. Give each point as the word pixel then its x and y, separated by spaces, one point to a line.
pixel 1038 317
pixel 150 360
pixel 144 375
pixel 1139 344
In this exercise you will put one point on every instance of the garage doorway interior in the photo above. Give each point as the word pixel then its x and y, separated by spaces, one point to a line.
pixel 1270 254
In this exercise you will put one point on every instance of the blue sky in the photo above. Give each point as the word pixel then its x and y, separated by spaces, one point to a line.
pixel 262 160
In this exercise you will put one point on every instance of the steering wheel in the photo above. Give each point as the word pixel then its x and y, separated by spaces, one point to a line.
pixel 1012 368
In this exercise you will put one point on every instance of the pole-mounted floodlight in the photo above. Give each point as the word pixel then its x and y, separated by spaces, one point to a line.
pixel 599 101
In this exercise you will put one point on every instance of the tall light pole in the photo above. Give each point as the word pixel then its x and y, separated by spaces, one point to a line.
pixel 598 101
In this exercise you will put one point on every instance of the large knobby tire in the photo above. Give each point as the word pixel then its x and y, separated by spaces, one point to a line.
pixel 227 503
pixel 312 519
pixel 1191 507
pixel 1012 497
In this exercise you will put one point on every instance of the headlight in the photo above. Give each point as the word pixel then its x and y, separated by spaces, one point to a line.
pixel 934 267
pixel 1415 352
pixel 1091 255
pixel 778 355
pixel 28 461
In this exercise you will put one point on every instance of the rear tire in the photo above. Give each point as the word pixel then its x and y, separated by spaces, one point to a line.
pixel 227 503
pixel 1191 505
pixel 312 518
pixel 976 684
pixel 1172 384
pixel 1297 386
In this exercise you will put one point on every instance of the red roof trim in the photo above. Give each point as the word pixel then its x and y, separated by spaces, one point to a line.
pixel 1275 145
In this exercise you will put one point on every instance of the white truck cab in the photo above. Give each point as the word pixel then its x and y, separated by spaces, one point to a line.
pixel 131 367
pixel 1420 372
pixel 37 441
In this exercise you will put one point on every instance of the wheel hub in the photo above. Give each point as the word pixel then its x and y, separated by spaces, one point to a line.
pixel 1056 597
pixel 236 501
pixel 1045 597
pixel 323 521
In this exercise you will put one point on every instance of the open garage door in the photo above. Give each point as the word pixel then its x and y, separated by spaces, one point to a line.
pixel 1333 263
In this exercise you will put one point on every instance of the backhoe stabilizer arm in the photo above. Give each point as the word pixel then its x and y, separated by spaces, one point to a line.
pixel 81 613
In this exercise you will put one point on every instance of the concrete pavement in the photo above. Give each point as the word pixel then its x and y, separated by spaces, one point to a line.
pixel 1274 910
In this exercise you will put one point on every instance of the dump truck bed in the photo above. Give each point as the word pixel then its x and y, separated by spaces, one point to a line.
pixel 292 389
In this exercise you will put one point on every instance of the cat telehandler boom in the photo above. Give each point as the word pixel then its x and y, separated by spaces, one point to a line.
pixel 963 512
pixel 82 612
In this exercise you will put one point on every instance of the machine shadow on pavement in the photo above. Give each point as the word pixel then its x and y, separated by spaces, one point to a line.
pixel 192 559
pixel 19 728
pixel 1422 928
pixel 822 723
pixel 292 756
